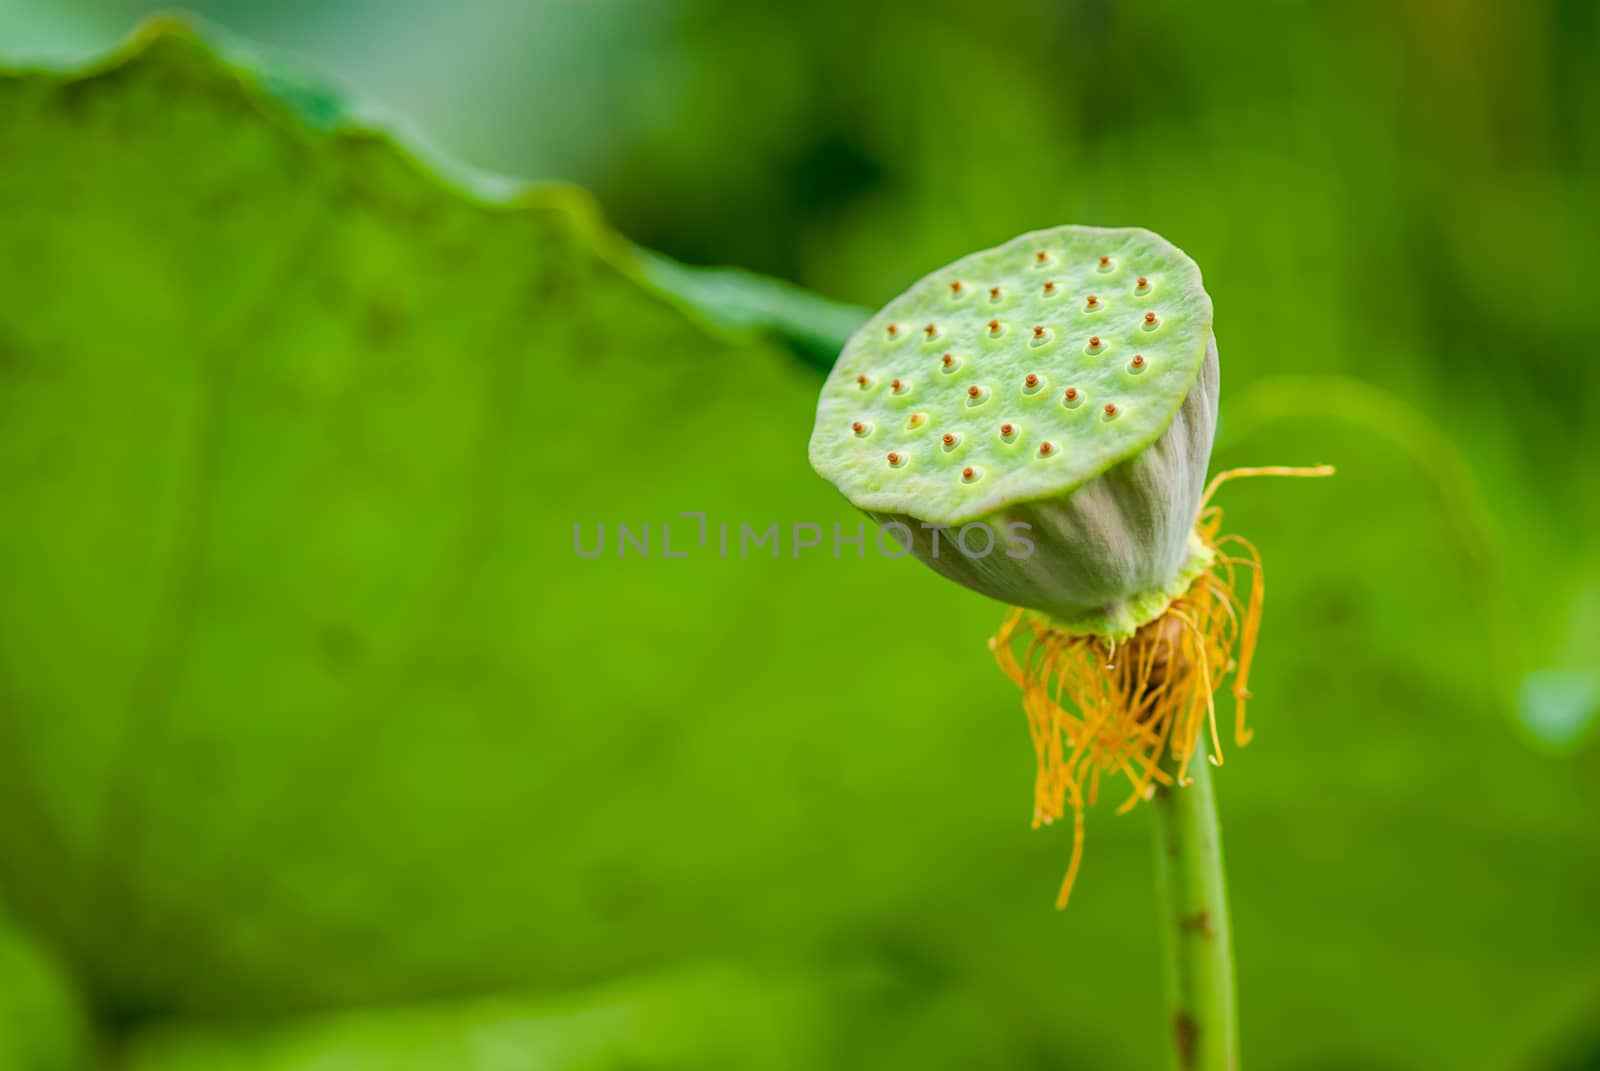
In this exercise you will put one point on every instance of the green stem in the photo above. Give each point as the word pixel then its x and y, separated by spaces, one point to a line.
pixel 1202 1010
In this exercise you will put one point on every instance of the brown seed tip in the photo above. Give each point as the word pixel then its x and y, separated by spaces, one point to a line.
pixel 1143 282
pixel 1138 360
pixel 930 330
pixel 1094 342
pixel 1045 449
pixel 861 381
pixel 947 360
pixel 1007 430
pixel 1093 301
pixel 917 419
pixel 955 287
pixel 858 427
pixel 1072 394
pixel 893 329
pixel 1105 262
pixel 994 293
pixel 1038 332
pixel 894 459
pixel 1050 288
pixel 1032 380
pixel 949 440
pixel 896 386
pixel 1041 256
pixel 1111 409
pixel 994 326
pixel 973 391
pixel 967 474
pixel 1150 318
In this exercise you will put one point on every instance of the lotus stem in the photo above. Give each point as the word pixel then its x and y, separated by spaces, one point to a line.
pixel 1202 1008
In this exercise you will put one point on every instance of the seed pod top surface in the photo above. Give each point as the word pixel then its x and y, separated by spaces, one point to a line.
pixel 1017 373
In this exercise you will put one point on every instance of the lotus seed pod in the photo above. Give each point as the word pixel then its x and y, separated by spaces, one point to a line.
pixel 1064 389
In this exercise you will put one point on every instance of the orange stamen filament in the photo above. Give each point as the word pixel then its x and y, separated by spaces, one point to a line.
pixel 1138 710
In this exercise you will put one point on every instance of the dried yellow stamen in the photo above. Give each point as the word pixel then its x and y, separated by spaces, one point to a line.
pixel 1094 709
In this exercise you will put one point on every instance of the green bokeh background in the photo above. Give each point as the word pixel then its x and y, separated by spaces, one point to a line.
pixel 351 762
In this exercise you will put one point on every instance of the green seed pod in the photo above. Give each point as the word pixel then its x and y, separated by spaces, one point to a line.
pixel 1057 393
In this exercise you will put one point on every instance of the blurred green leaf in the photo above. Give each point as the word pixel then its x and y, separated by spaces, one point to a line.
pixel 705 1018
pixel 736 300
pixel 42 1026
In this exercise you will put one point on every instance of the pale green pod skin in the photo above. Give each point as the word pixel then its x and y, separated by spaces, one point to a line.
pixel 1092 513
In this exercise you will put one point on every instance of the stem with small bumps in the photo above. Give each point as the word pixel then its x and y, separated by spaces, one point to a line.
pixel 1202 1009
